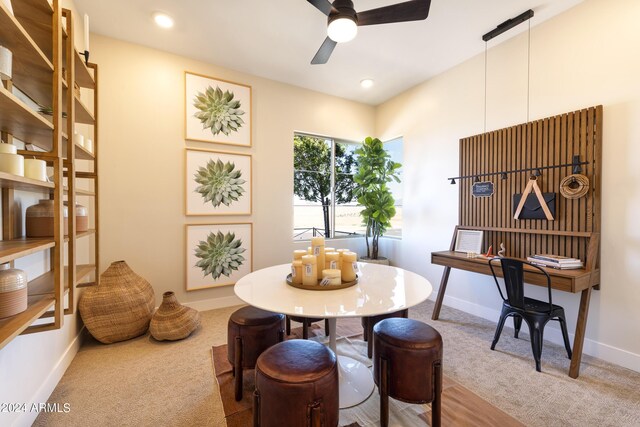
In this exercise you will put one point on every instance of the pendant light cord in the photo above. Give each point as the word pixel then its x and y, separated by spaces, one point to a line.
pixel 528 69
pixel 486 44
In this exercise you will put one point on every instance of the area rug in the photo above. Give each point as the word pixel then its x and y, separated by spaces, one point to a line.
pixel 460 406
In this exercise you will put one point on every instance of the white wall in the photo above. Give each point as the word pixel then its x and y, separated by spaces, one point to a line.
pixel 583 57
pixel 142 161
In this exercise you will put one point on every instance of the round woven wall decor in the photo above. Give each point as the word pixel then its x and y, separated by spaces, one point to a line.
pixel 574 186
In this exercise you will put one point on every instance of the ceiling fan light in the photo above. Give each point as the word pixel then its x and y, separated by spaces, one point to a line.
pixel 342 29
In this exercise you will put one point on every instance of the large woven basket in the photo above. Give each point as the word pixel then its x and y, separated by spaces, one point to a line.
pixel 119 307
pixel 173 321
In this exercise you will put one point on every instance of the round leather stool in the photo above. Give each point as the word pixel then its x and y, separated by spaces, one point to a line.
pixel 370 321
pixel 306 323
pixel 251 331
pixel 296 385
pixel 407 365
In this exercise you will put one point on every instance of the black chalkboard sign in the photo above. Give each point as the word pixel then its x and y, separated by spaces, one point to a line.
pixel 482 189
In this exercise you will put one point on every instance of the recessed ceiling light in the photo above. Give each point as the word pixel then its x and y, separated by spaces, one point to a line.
pixel 366 83
pixel 163 20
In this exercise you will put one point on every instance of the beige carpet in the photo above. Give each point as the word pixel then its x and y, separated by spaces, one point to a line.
pixel 145 383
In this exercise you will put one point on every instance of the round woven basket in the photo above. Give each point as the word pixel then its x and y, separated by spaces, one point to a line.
pixel 119 307
pixel 173 321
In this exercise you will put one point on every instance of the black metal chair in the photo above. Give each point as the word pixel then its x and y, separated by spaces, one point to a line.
pixel 306 323
pixel 535 312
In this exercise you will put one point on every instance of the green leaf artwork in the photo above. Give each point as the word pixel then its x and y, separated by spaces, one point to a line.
pixel 220 183
pixel 218 111
pixel 219 254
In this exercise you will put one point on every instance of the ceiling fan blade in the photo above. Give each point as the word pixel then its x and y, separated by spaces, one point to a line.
pixel 414 10
pixel 323 54
pixel 323 6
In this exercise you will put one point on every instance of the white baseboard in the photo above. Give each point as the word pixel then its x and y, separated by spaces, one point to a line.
pixel 50 383
pixel 213 303
pixel 591 347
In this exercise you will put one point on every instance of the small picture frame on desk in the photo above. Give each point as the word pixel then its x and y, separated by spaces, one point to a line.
pixel 469 241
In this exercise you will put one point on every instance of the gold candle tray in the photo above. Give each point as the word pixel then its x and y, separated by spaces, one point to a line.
pixel 320 287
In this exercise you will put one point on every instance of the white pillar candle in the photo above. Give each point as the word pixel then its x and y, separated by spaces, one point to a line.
pixel 35 169
pixel 79 139
pixel 309 270
pixel 296 272
pixel 331 277
pixel 8 148
pixel 5 63
pixel 349 266
pixel 12 163
pixel 86 32
pixel 298 254
pixel 317 249
pixel 331 260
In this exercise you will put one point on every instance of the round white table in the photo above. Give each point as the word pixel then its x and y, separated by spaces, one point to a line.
pixel 381 289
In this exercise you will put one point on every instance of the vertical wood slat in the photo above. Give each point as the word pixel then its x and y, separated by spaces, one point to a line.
pixel 544 142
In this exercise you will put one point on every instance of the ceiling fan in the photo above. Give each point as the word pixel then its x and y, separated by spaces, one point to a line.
pixel 343 20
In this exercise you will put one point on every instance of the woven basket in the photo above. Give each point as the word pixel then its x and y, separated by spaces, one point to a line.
pixel 119 307
pixel 173 321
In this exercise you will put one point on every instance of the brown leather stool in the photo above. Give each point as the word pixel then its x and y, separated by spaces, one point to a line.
pixel 251 331
pixel 407 365
pixel 296 385
pixel 306 323
pixel 369 322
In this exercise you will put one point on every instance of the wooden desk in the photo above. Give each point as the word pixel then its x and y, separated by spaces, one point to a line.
pixel 581 280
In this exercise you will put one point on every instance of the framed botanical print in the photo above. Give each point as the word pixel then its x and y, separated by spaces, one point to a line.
pixel 217 254
pixel 217 110
pixel 217 183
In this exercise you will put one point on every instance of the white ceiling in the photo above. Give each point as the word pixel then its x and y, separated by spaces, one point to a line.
pixel 276 39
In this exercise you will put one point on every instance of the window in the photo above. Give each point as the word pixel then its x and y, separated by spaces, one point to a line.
pixel 324 203
pixel 394 148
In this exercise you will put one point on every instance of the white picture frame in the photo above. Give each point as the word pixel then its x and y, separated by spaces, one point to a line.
pixel 469 241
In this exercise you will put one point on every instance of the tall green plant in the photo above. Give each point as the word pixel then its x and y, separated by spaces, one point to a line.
pixel 375 170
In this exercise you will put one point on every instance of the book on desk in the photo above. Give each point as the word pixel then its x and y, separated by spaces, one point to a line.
pixel 555 261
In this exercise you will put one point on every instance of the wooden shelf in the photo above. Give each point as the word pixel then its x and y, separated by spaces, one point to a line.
pixel 13 249
pixel 15 182
pixel 43 285
pixel 85 285
pixel 83 75
pixel 79 192
pixel 23 123
pixel 85 234
pixel 81 152
pixel 36 17
pixel 32 69
pixel 32 36
pixel 83 270
pixel 87 193
pixel 13 326
pixel 83 115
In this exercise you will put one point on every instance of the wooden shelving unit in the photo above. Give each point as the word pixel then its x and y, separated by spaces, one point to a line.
pixel 41 48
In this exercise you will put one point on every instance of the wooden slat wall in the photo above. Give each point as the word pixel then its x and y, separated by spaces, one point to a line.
pixel 545 142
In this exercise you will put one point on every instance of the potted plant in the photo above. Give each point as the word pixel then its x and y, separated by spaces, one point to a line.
pixel 375 170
